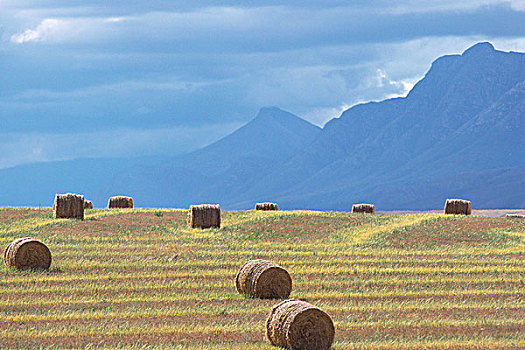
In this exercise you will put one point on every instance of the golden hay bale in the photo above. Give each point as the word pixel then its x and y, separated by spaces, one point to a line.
pixel 204 216
pixel 458 206
pixel 266 206
pixel 27 253
pixel 515 216
pixel 263 279
pixel 88 204
pixel 296 324
pixel 69 205
pixel 120 202
pixel 363 208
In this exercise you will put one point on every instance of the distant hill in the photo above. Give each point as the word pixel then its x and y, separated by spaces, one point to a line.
pixel 223 169
pixel 274 135
pixel 36 184
pixel 465 118
pixel 460 132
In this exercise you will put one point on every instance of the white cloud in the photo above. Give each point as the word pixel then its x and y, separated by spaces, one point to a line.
pixel 430 6
pixel 518 5
pixel 73 30
pixel 319 116
pixel 383 71
pixel 117 19
pixel 49 28
pixel 401 88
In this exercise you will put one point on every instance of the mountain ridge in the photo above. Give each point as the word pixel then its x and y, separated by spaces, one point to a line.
pixel 458 132
pixel 385 148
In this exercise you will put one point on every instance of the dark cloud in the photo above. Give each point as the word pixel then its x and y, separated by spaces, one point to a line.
pixel 69 66
pixel 229 30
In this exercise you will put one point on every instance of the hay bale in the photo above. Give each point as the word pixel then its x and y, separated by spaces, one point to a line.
pixel 69 206
pixel 266 206
pixel 88 204
pixel 458 206
pixel 263 279
pixel 27 253
pixel 363 208
pixel 204 216
pixel 120 202
pixel 296 324
pixel 515 216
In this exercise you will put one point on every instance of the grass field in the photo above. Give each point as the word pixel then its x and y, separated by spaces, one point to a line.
pixel 141 279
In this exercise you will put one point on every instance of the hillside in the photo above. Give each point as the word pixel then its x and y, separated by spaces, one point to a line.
pixel 204 175
pixel 224 169
pixel 274 135
pixel 465 116
pixel 141 278
pixel 458 133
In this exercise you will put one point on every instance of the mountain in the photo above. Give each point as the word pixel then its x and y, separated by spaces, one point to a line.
pixel 223 169
pixel 458 133
pixel 274 135
pixel 465 115
pixel 459 128
pixel 213 173
pixel 36 184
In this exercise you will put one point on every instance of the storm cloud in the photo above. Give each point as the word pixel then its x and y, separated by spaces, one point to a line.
pixel 103 69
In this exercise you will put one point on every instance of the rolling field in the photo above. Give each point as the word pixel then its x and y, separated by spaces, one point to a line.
pixel 140 279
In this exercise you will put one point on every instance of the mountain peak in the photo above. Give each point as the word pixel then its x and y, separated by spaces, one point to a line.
pixel 272 112
pixel 275 116
pixel 273 133
pixel 481 48
pixel 451 72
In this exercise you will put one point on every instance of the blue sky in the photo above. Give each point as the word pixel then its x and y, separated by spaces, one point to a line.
pixel 128 78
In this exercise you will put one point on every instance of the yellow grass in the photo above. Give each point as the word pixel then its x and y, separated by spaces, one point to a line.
pixel 133 279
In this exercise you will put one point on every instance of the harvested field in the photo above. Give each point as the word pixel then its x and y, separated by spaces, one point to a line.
pixel 139 278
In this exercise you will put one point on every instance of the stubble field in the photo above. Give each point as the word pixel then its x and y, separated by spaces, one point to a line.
pixel 137 278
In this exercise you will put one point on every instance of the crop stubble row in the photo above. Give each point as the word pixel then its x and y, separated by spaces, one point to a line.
pixel 112 295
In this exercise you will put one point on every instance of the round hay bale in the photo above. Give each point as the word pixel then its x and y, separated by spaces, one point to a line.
pixel 69 206
pixel 204 216
pixel 88 204
pixel 120 202
pixel 296 324
pixel 458 207
pixel 27 253
pixel 266 206
pixel 363 208
pixel 263 279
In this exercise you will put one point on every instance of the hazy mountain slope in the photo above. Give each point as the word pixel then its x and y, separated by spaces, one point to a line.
pixel 273 134
pixel 209 174
pixel 458 133
pixel 496 188
pixel 493 139
pixel 466 114
pixel 339 138
pixel 37 184
pixel 224 169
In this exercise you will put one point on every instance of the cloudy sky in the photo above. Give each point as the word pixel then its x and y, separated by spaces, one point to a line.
pixel 127 77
